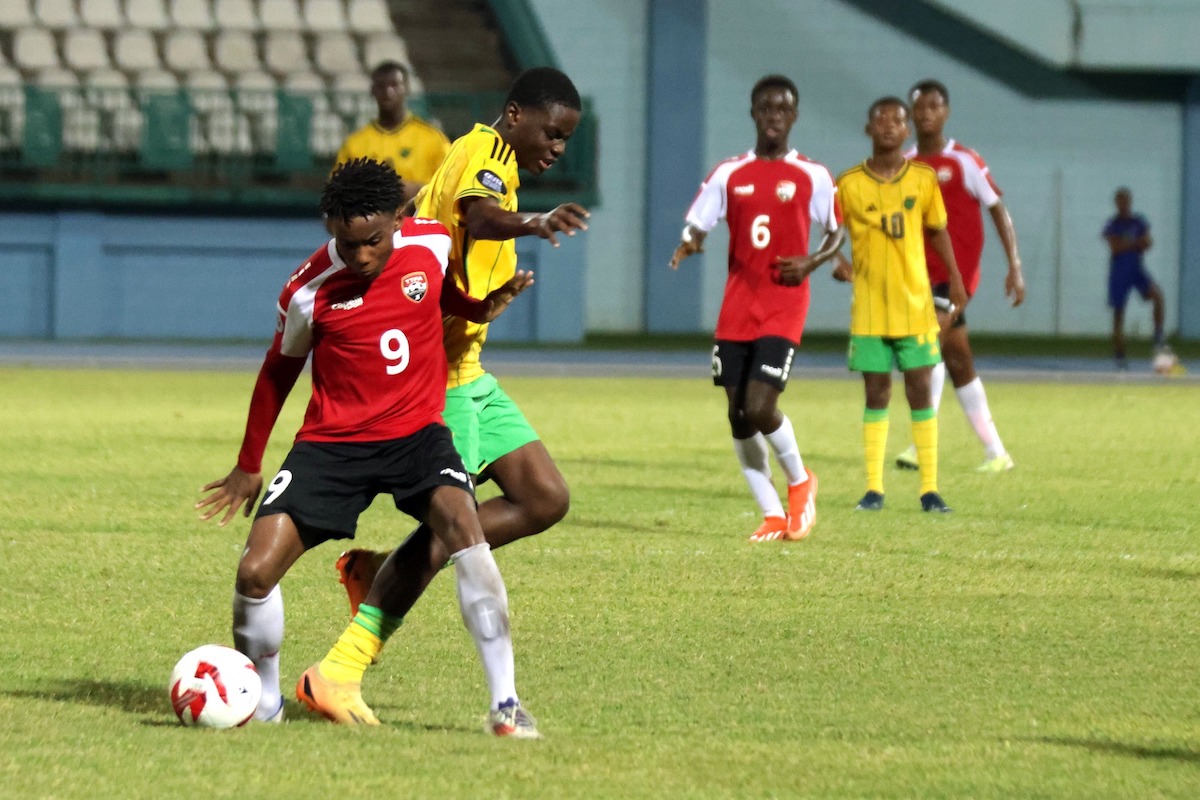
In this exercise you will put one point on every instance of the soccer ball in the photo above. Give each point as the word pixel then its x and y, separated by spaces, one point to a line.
pixel 1165 362
pixel 214 686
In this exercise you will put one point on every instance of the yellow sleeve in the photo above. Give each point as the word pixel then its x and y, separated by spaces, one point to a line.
pixel 935 208
pixel 490 172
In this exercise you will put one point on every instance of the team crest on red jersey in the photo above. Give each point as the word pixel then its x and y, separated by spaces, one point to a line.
pixel 944 174
pixel 415 285
pixel 785 190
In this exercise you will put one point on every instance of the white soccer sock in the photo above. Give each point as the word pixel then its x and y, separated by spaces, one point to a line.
pixel 752 455
pixel 974 403
pixel 483 601
pixel 258 632
pixel 787 452
pixel 937 382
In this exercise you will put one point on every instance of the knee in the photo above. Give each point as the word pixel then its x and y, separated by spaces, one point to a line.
pixel 254 578
pixel 761 416
pixel 548 503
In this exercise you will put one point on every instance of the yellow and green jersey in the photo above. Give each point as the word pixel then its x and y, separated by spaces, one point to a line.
pixel 886 219
pixel 479 164
pixel 414 148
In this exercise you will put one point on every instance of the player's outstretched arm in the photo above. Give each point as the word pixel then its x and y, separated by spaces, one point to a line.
pixel 485 219
pixel 1014 281
pixel 794 269
pixel 691 241
pixel 460 304
pixel 241 487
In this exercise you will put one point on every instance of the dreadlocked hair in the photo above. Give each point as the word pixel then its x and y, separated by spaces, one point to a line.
pixel 360 188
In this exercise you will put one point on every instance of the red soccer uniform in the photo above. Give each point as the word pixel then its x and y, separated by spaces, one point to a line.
pixel 770 205
pixel 378 364
pixel 966 186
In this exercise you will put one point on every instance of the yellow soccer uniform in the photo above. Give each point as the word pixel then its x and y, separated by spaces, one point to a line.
pixel 479 164
pixel 886 219
pixel 414 149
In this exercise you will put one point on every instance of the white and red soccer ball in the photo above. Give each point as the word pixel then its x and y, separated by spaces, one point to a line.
pixel 214 686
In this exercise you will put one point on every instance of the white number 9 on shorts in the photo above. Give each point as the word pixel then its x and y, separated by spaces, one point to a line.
pixel 277 485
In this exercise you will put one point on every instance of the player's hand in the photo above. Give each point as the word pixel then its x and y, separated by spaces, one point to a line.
pixel 237 489
pixel 793 269
pixel 843 270
pixel 684 250
pixel 498 299
pixel 567 218
pixel 958 300
pixel 1014 287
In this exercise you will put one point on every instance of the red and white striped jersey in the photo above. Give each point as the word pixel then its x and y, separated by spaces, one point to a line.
pixel 770 205
pixel 966 186
pixel 378 365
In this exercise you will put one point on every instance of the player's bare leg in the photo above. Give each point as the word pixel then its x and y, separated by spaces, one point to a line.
pixel 271 548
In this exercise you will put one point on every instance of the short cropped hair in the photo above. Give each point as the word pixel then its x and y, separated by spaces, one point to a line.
pixel 774 82
pixel 929 85
pixel 390 66
pixel 543 87
pixel 890 100
pixel 360 188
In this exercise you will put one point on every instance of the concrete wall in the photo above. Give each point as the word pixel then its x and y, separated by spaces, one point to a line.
pixel 77 275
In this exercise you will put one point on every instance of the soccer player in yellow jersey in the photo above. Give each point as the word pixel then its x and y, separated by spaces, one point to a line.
pixel 888 203
pixel 397 137
pixel 474 194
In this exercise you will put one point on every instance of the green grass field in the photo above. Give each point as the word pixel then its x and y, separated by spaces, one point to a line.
pixel 1040 642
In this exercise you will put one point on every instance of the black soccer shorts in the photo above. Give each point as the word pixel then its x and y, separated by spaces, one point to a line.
pixel 768 360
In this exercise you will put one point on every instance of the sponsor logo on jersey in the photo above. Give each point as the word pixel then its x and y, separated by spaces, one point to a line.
pixel 744 191
pixel 415 285
pixel 461 477
pixel 944 174
pixel 490 180
pixel 785 191
pixel 347 305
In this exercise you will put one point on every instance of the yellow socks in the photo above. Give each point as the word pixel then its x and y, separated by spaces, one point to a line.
pixel 925 437
pixel 875 433
pixel 359 645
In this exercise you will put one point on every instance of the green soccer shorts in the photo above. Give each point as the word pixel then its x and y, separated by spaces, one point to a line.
pixel 486 423
pixel 881 353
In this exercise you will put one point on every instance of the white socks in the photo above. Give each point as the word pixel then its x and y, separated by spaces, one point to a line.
pixel 258 632
pixel 787 452
pixel 937 382
pixel 975 406
pixel 752 455
pixel 483 601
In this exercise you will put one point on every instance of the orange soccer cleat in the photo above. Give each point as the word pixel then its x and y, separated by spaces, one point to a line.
pixel 339 702
pixel 772 528
pixel 356 571
pixel 802 507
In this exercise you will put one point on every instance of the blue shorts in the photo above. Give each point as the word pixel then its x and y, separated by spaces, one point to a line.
pixel 1121 281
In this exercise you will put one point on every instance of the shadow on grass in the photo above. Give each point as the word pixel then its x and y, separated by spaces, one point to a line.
pixel 1187 754
pixel 134 698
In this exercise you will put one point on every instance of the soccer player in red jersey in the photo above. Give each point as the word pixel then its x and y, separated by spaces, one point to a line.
pixel 966 186
pixel 368 306
pixel 770 197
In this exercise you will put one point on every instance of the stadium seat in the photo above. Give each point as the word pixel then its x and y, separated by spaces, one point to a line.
pixel 106 89
pixel 103 15
pixel 369 17
pixel 257 101
pixel 304 83
pixel 185 51
pixel 154 81
pixel 336 54
pixel 148 14
pixel 236 15
pixel 15 14
pixel 280 15
pixel 235 52
pixel 322 16
pixel 208 90
pixel 56 14
pixel 328 132
pixel 33 49
pixel 135 52
pixel 352 100
pixel 284 52
pixel 85 49
pixel 12 109
pixel 192 15
pixel 381 47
